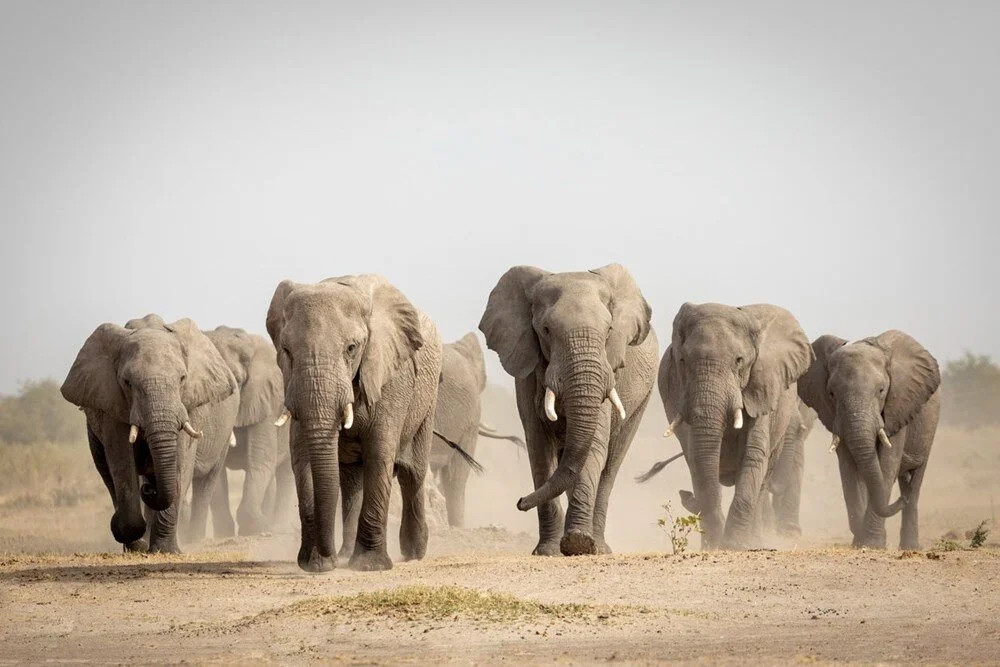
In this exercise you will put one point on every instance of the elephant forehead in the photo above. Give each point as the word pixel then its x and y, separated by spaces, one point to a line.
pixel 318 303
pixel 152 347
pixel 857 361
pixel 571 285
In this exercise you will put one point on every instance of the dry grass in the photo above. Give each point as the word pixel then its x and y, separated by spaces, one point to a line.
pixel 47 475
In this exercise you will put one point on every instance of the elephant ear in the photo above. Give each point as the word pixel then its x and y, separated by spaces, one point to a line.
pixel 92 381
pixel 276 311
pixel 150 321
pixel 263 393
pixel 393 333
pixel 630 313
pixel 209 380
pixel 783 355
pixel 670 385
pixel 469 348
pixel 506 322
pixel 812 386
pixel 913 377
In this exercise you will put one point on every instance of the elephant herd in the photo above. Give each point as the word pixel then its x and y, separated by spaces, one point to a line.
pixel 355 388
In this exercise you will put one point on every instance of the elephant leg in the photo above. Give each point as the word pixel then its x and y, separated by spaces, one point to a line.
pixel 302 471
pixel 788 501
pixel 873 526
pixel 370 551
pixel 618 446
pixel 267 504
pixel 261 447
pixel 767 504
pixel 284 492
pixel 749 484
pixel 413 527
pixel 222 517
pixel 203 489
pixel 578 538
pixel 113 457
pixel 909 486
pixel 542 459
pixel 454 478
pixel 351 486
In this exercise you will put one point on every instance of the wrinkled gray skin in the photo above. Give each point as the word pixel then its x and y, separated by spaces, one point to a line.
pixel 156 376
pixel 581 335
pixel 888 381
pixel 356 340
pixel 723 360
pixel 781 508
pixel 457 418
pixel 261 448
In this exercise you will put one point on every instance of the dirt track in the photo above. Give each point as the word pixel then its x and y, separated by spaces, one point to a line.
pixel 792 606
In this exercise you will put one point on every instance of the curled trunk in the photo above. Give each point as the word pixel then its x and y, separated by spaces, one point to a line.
pixel 861 443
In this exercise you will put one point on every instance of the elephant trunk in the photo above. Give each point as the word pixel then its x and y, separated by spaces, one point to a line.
pixel 860 439
pixel 584 391
pixel 162 441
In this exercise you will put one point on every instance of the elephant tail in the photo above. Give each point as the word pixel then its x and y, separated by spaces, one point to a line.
pixel 657 467
pixel 489 432
pixel 466 456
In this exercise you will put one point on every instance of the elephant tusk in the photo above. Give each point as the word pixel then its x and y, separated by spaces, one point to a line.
pixel 738 419
pixel 884 438
pixel 617 402
pixel 283 418
pixel 487 427
pixel 232 438
pixel 348 417
pixel 550 405
pixel 833 445
pixel 671 426
pixel 133 434
pixel 190 430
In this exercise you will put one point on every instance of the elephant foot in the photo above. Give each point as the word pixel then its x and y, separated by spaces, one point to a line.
pixel 164 547
pixel 789 530
pixel 547 548
pixel 138 546
pixel 689 502
pixel 317 563
pixel 369 561
pixel 413 541
pixel 868 543
pixel 577 543
pixel 224 530
pixel 345 553
pixel 603 548
pixel 252 525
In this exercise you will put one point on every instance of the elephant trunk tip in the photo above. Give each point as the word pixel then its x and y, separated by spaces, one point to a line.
pixel 891 510
pixel 524 504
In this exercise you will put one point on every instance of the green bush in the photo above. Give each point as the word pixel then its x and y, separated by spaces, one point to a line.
pixel 39 413
pixel 970 392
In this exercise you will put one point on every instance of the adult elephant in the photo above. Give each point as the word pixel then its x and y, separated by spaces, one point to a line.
pixel 728 387
pixel 582 352
pixel 782 503
pixel 160 405
pixel 261 446
pixel 457 422
pixel 879 397
pixel 360 367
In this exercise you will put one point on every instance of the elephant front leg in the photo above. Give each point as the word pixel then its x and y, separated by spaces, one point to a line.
pixel 302 472
pixel 542 458
pixel 618 446
pixel 116 464
pixel 741 522
pixel 222 517
pixel 261 447
pixel 351 488
pixel 370 551
pixel 909 486
pixel 413 526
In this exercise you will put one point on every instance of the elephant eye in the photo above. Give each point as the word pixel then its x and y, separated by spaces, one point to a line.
pixel 352 348
pixel 287 353
pixel 545 330
pixel 184 377
pixel 739 361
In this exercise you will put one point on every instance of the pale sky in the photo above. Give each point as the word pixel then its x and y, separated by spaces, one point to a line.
pixel 838 159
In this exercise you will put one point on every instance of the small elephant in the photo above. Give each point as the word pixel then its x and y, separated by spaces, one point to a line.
pixel 880 399
pixel 781 509
pixel 160 405
pixel 582 353
pixel 457 423
pixel 261 447
pixel 728 387
pixel 360 367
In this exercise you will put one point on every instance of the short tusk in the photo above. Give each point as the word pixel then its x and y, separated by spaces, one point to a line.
pixel 232 438
pixel 671 426
pixel 487 427
pixel 833 445
pixel 738 419
pixel 348 417
pixel 190 430
pixel 283 418
pixel 550 405
pixel 617 402
pixel 133 434
pixel 884 438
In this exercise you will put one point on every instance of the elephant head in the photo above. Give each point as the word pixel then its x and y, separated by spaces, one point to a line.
pixel 864 393
pixel 251 358
pixel 572 330
pixel 338 342
pixel 150 375
pixel 724 362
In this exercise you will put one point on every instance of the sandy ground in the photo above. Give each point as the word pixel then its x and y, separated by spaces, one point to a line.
pixel 67 594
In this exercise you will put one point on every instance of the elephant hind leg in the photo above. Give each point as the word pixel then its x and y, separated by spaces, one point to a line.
pixel 454 478
pixel 413 527
pixel 222 516
pixel 351 486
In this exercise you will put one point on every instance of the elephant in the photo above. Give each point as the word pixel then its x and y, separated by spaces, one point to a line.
pixel 160 405
pixel 457 423
pixel 360 366
pixel 261 446
pixel 582 352
pixel 880 399
pixel 727 382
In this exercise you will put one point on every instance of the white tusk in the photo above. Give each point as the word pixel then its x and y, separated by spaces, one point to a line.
pixel 283 418
pixel 133 434
pixel 487 427
pixel 232 438
pixel 617 402
pixel 884 438
pixel 550 405
pixel 190 430
pixel 738 419
pixel 671 426
pixel 833 445
pixel 348 417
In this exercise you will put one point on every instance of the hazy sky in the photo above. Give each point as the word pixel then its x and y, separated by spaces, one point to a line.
pixel 839 159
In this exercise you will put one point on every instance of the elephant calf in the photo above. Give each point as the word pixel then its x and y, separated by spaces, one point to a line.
pixel 360 367
pixel 879 397
pixel 160 405
pixel 582 353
